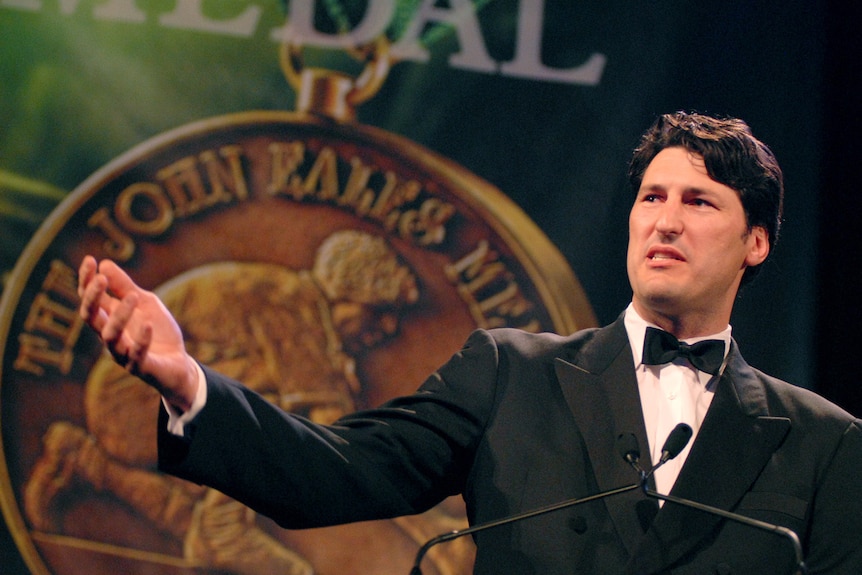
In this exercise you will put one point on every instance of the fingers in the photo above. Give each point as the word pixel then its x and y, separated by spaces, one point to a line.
pixel 119 281
pixel 142 345
pixel 128 341
pixel 109 305
pixel 85 274
pixel 107 314
pixel 91 289
pixel 138 347
pixel 95 279
pixel 118 319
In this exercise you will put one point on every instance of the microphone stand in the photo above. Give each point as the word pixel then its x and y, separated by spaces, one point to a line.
pixel 676 441
pixel 416 570
pixel 801 568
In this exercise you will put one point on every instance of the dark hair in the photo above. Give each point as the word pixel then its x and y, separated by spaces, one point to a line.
pixel 732 156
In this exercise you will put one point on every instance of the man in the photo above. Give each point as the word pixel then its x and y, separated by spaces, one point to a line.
pixel 516 421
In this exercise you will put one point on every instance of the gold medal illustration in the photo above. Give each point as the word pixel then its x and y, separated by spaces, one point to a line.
pixel 326 264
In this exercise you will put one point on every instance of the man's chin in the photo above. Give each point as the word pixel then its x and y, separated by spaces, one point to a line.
pixel 665 302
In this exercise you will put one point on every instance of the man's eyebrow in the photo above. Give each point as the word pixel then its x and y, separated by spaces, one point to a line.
pixel 686 190
pixel 652 187
pixel 696 190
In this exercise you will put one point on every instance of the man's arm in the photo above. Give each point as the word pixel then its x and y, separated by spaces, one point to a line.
pixel 400 458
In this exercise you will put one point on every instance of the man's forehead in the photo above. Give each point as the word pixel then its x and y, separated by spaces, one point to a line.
pixel 676 163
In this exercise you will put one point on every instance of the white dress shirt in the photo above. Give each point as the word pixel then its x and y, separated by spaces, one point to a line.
pixel 670 394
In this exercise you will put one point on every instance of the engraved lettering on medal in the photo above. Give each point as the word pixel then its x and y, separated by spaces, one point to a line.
pixel 144 209
pixel 428 223
pixel 226 178
pixel 118 245
pixel 286 159
pixel 490 290
pixel 52 326
pixel 356 192
pixel 194 184
pixel 395 202
pixel 188 190
pixel 185 188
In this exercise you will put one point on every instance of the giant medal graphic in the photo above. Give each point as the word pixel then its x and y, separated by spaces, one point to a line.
pixel 327 265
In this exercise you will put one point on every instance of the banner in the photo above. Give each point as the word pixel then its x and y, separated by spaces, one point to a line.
pixel 330 196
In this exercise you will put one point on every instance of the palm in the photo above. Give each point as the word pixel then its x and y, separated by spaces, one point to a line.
pixel 164 362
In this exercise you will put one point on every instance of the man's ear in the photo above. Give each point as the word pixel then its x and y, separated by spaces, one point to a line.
pixel 758 246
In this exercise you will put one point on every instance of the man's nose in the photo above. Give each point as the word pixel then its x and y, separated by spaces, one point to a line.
pixel 670 218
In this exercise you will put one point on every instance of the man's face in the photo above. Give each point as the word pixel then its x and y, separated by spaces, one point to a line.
pixel 688 245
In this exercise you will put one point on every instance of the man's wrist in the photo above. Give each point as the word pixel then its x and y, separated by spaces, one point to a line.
pixel 178 419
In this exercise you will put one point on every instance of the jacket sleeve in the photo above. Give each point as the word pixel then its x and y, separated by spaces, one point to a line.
pixel 401 458
pixel 835 542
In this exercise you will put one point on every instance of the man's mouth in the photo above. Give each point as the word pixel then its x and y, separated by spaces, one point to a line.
pixel 659 254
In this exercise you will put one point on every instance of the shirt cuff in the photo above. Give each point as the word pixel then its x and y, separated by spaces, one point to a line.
pixel 178 420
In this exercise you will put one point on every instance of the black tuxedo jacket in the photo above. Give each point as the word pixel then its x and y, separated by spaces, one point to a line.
pixel 516 421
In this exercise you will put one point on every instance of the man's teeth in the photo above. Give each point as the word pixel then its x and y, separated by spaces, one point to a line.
pixel 662 257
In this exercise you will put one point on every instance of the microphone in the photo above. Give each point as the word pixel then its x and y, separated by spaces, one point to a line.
pixel 675 443
pixel 628 448
pixel 416 570
pixel 678 438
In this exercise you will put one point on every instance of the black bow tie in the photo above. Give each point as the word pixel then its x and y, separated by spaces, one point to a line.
pixel 661 347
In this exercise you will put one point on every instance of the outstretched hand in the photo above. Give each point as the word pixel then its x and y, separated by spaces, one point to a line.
pixel 137 329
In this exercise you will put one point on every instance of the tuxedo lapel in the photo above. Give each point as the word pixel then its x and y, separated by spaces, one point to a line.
pixel 601 390
pixel 735 442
